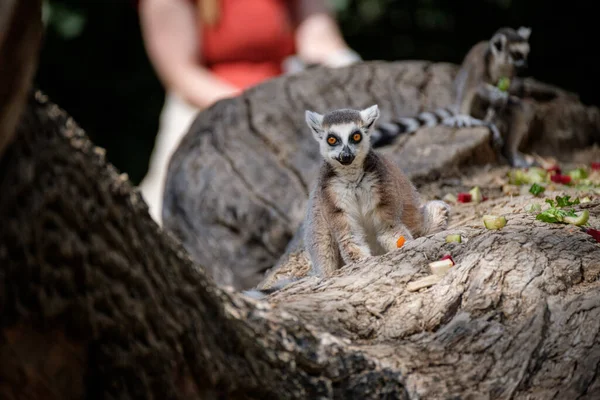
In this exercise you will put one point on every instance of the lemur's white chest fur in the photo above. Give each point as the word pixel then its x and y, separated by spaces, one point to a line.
pixel 358 197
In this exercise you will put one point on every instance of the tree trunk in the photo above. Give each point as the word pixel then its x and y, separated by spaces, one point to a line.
pixel 20 33
pixel 96 301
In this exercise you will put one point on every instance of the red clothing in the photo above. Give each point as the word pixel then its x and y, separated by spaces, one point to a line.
pixel 249 42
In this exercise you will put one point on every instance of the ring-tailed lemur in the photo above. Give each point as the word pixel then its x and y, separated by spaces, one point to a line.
pixel 475 92
pixel 361 202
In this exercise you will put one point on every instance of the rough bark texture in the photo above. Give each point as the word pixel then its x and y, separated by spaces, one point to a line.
pixel 20 33
pixel 97 302
pixel 238 184
pixel 87 310
pixel 509 315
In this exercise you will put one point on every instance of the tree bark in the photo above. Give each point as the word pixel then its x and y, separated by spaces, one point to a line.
pixel 96 301
pixel 20 34
pixel 89 311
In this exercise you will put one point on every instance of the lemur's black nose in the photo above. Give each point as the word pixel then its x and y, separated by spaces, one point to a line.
pixel 346 158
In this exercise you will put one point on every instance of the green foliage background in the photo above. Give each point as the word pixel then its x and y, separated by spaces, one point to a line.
pixel 94 65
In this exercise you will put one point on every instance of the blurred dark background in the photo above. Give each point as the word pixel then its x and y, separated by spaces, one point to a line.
pixel 93 62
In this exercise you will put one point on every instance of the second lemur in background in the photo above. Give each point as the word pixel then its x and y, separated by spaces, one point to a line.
pixel 475 91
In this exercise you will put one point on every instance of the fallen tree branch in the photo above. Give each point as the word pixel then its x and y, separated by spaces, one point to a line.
pixel 81 287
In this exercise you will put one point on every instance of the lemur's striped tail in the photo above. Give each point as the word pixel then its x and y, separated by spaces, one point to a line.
pixel 386 133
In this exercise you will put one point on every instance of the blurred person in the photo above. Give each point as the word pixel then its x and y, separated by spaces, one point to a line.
pixel 207 50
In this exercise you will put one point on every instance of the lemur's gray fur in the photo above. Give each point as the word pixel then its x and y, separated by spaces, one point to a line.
pixel 361 202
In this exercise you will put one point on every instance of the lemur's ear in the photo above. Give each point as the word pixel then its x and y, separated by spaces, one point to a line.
pixel 498 43
pixel 369 116
pixel 524 32
pixel 315 123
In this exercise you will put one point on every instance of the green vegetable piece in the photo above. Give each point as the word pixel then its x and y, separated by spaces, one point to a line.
pixel 504 84
pixel 551 215
pixel 494 222
pixel 578 174
pixel 533 208
pixel 537 175
pixel 536 189
pixel 453 239
pixel 580 218
pixel 476 195
pixel 585 200
pixel 565 201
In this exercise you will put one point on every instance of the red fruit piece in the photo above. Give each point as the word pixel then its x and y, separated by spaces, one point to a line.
pixel 464 197
pixel 555 169
pixel 596 166
pixel 558 178
pixel 448 257
pixel 595 233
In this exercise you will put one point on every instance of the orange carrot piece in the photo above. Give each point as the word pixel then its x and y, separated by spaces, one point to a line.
pixel 400 241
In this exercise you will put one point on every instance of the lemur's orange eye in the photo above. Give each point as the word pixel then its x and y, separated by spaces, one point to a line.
pixel 356 137
pixel 331 140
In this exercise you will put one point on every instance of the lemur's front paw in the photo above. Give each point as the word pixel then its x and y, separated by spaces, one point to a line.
pixel 498 97
pixel 497 141
pixel 358 253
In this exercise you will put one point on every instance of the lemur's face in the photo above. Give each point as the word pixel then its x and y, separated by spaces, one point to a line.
pixel 510 50
pixel 343 135
pixel 344 142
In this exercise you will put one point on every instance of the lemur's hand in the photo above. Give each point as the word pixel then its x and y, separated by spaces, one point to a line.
pixel 498 98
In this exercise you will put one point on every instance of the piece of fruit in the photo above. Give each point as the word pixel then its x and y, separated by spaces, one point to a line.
pixel 453 239
pixel 450 198
pixel 555 169
pixel 464 197
pixel 517 177
pixel 494 222
pixel 476 196
pixel 400 242
pixel 581 218
pixel 595 233
pixel 595 166
pixel 503 84
pixel 448 257
pixel 440 267
pixel 533 208
pixel 558 178
pixel 536 175
pixel 578 174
